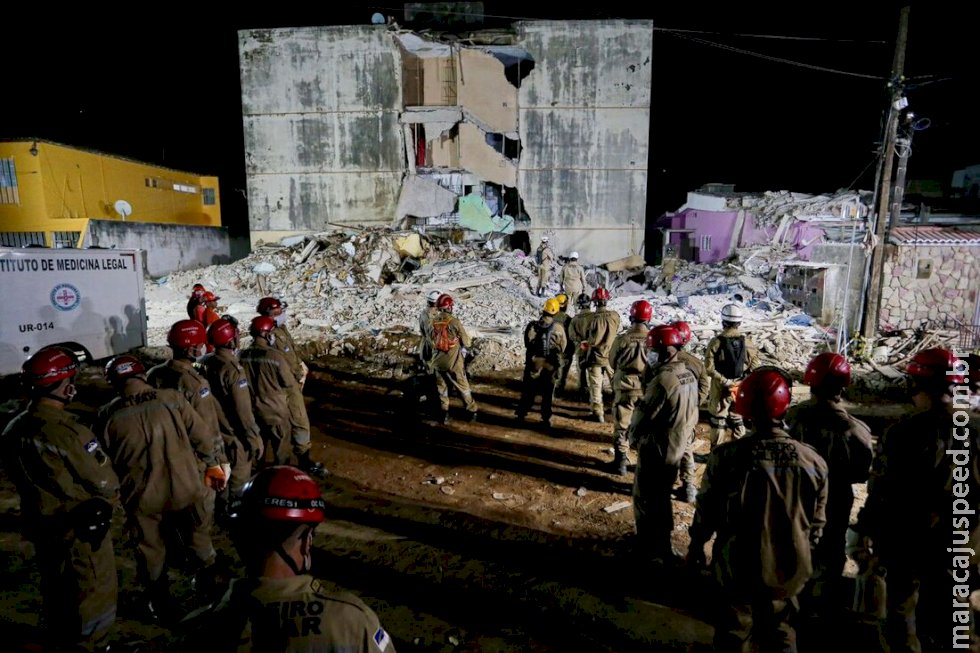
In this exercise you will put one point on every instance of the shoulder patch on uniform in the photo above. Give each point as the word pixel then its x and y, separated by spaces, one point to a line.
pixel 204 392
pixel 92 445
pixel 285 348
pixel 381 639
pixel 243 383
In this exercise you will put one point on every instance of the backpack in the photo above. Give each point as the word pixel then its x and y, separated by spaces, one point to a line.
pixel 730 358
pixel 441 340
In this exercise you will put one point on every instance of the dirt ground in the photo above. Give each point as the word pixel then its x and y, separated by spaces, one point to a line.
pixel 483 536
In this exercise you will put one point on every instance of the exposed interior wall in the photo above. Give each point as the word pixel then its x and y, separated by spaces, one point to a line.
pixel 936 284
pixel 169 247
pixel 485 91
pixel 850 282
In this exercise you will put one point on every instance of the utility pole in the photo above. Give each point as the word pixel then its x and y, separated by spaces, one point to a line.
pixel 895 105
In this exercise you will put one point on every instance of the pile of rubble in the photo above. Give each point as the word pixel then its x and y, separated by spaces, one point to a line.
pixel 359 292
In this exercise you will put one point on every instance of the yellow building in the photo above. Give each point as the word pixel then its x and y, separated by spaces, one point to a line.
pixel 49 193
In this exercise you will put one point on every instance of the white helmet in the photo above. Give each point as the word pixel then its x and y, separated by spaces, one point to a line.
pixel 433 297
pixel 544 239
pixel 573 256
pixel 732 313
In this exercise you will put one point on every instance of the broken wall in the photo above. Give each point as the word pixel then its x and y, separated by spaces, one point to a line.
pixel 322 139
pixel 584 122
pixel 937 284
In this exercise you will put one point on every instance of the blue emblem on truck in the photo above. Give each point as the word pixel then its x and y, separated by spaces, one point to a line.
pixel 65 297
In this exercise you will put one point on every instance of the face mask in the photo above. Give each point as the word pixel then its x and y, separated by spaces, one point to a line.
pixel 272 339
pixel 201 353
pixel 280 319
pixel 653 358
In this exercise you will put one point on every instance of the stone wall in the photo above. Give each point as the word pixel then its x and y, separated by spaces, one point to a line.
pixel 935 283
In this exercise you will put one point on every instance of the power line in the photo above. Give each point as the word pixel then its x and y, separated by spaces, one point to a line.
pixel 782 37
pixel 777 59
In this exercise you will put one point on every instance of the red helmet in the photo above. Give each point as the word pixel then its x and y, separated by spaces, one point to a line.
pixel 600 294
pixel 209 296
pixel 765 390
pixel 261 326
pixel 267 305
pixel 49 366
pixel 641 311
pixel 827 367
pixel 197 290
pixel 221 332
pixel 281 493
pixel 123 367
pixel 684 329
pixel 663 336
pixel 445 303
pixel 936 363
pixel 185 334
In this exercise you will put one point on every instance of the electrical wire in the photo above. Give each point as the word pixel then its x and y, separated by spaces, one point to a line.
pixel 781 37
pixel 778 59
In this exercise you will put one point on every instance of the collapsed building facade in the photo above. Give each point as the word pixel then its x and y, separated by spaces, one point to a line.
pixel 542 129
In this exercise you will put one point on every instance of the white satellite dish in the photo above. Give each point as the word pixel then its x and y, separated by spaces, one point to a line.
pixel 123 208
pixel 377 19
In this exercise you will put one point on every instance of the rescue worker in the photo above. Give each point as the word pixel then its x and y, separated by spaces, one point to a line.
pixel 844 443
pixel 668 270
pixel 229 386
pixel 166 456
pixel 545 258
pixel 729 357
pixel 765 497
pixel 629 359
pixel 578 329
pixel 195 304
pixel 450 343
pixel 919 519
pixel 544 342
pixel 688 491
pixel 210 315
pixel 572 277
pixel 187 340
pixel 659 430
pixel 603 327
pixel 269 376
pixel 299 420
pixel 425 325
pixel 67 491
pixel 276 517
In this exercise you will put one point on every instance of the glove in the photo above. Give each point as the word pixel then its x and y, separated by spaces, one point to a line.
pixel 214 478
pixel 255 447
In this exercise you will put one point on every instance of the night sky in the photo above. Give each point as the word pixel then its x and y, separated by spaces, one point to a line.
pixel 165 90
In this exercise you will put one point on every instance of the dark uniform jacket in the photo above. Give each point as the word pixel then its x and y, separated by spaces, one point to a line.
pixel 285 344
pixel 844 443
pixel 229 385
pixel 628 357
pixel 181 375
pixel 603 328
pixel 292 614
pixel 916 487
pixel 765 496
pixel 269 375
pixel 696 365
pixel 156 441
pixel 56 463
pixel 664 420
pixel 545 343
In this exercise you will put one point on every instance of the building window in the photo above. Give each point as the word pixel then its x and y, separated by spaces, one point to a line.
pixel 706 243
pixel 8 182
pixel 21 238
pixel 65 238
pixel 184 188
pixel 923 268
pixel 209 198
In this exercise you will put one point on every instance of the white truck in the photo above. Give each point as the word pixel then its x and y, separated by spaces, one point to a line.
pixel 89 300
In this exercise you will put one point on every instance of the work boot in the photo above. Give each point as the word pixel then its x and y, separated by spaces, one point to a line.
pixel 619 464
pixel 546 424
pixel 311 467
pixel 159 603
pixel 473 416
pixel 686 493
pixel 599 413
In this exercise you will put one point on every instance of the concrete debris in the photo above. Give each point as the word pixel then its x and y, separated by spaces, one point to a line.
pixel 500 496
pixel 581 492
pixel 357 293
pixel 445 489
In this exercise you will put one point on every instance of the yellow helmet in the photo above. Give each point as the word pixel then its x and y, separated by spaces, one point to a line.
pixel 551 306
pixel 562 300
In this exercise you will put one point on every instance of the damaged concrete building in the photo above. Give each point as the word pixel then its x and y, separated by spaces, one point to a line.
pixel 504 135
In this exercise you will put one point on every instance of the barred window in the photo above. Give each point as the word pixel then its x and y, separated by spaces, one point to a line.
pixel 8 182
pixel 209 196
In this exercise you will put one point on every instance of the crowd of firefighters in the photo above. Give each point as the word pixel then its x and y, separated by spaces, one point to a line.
pixel 220 433
pixel 216 436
